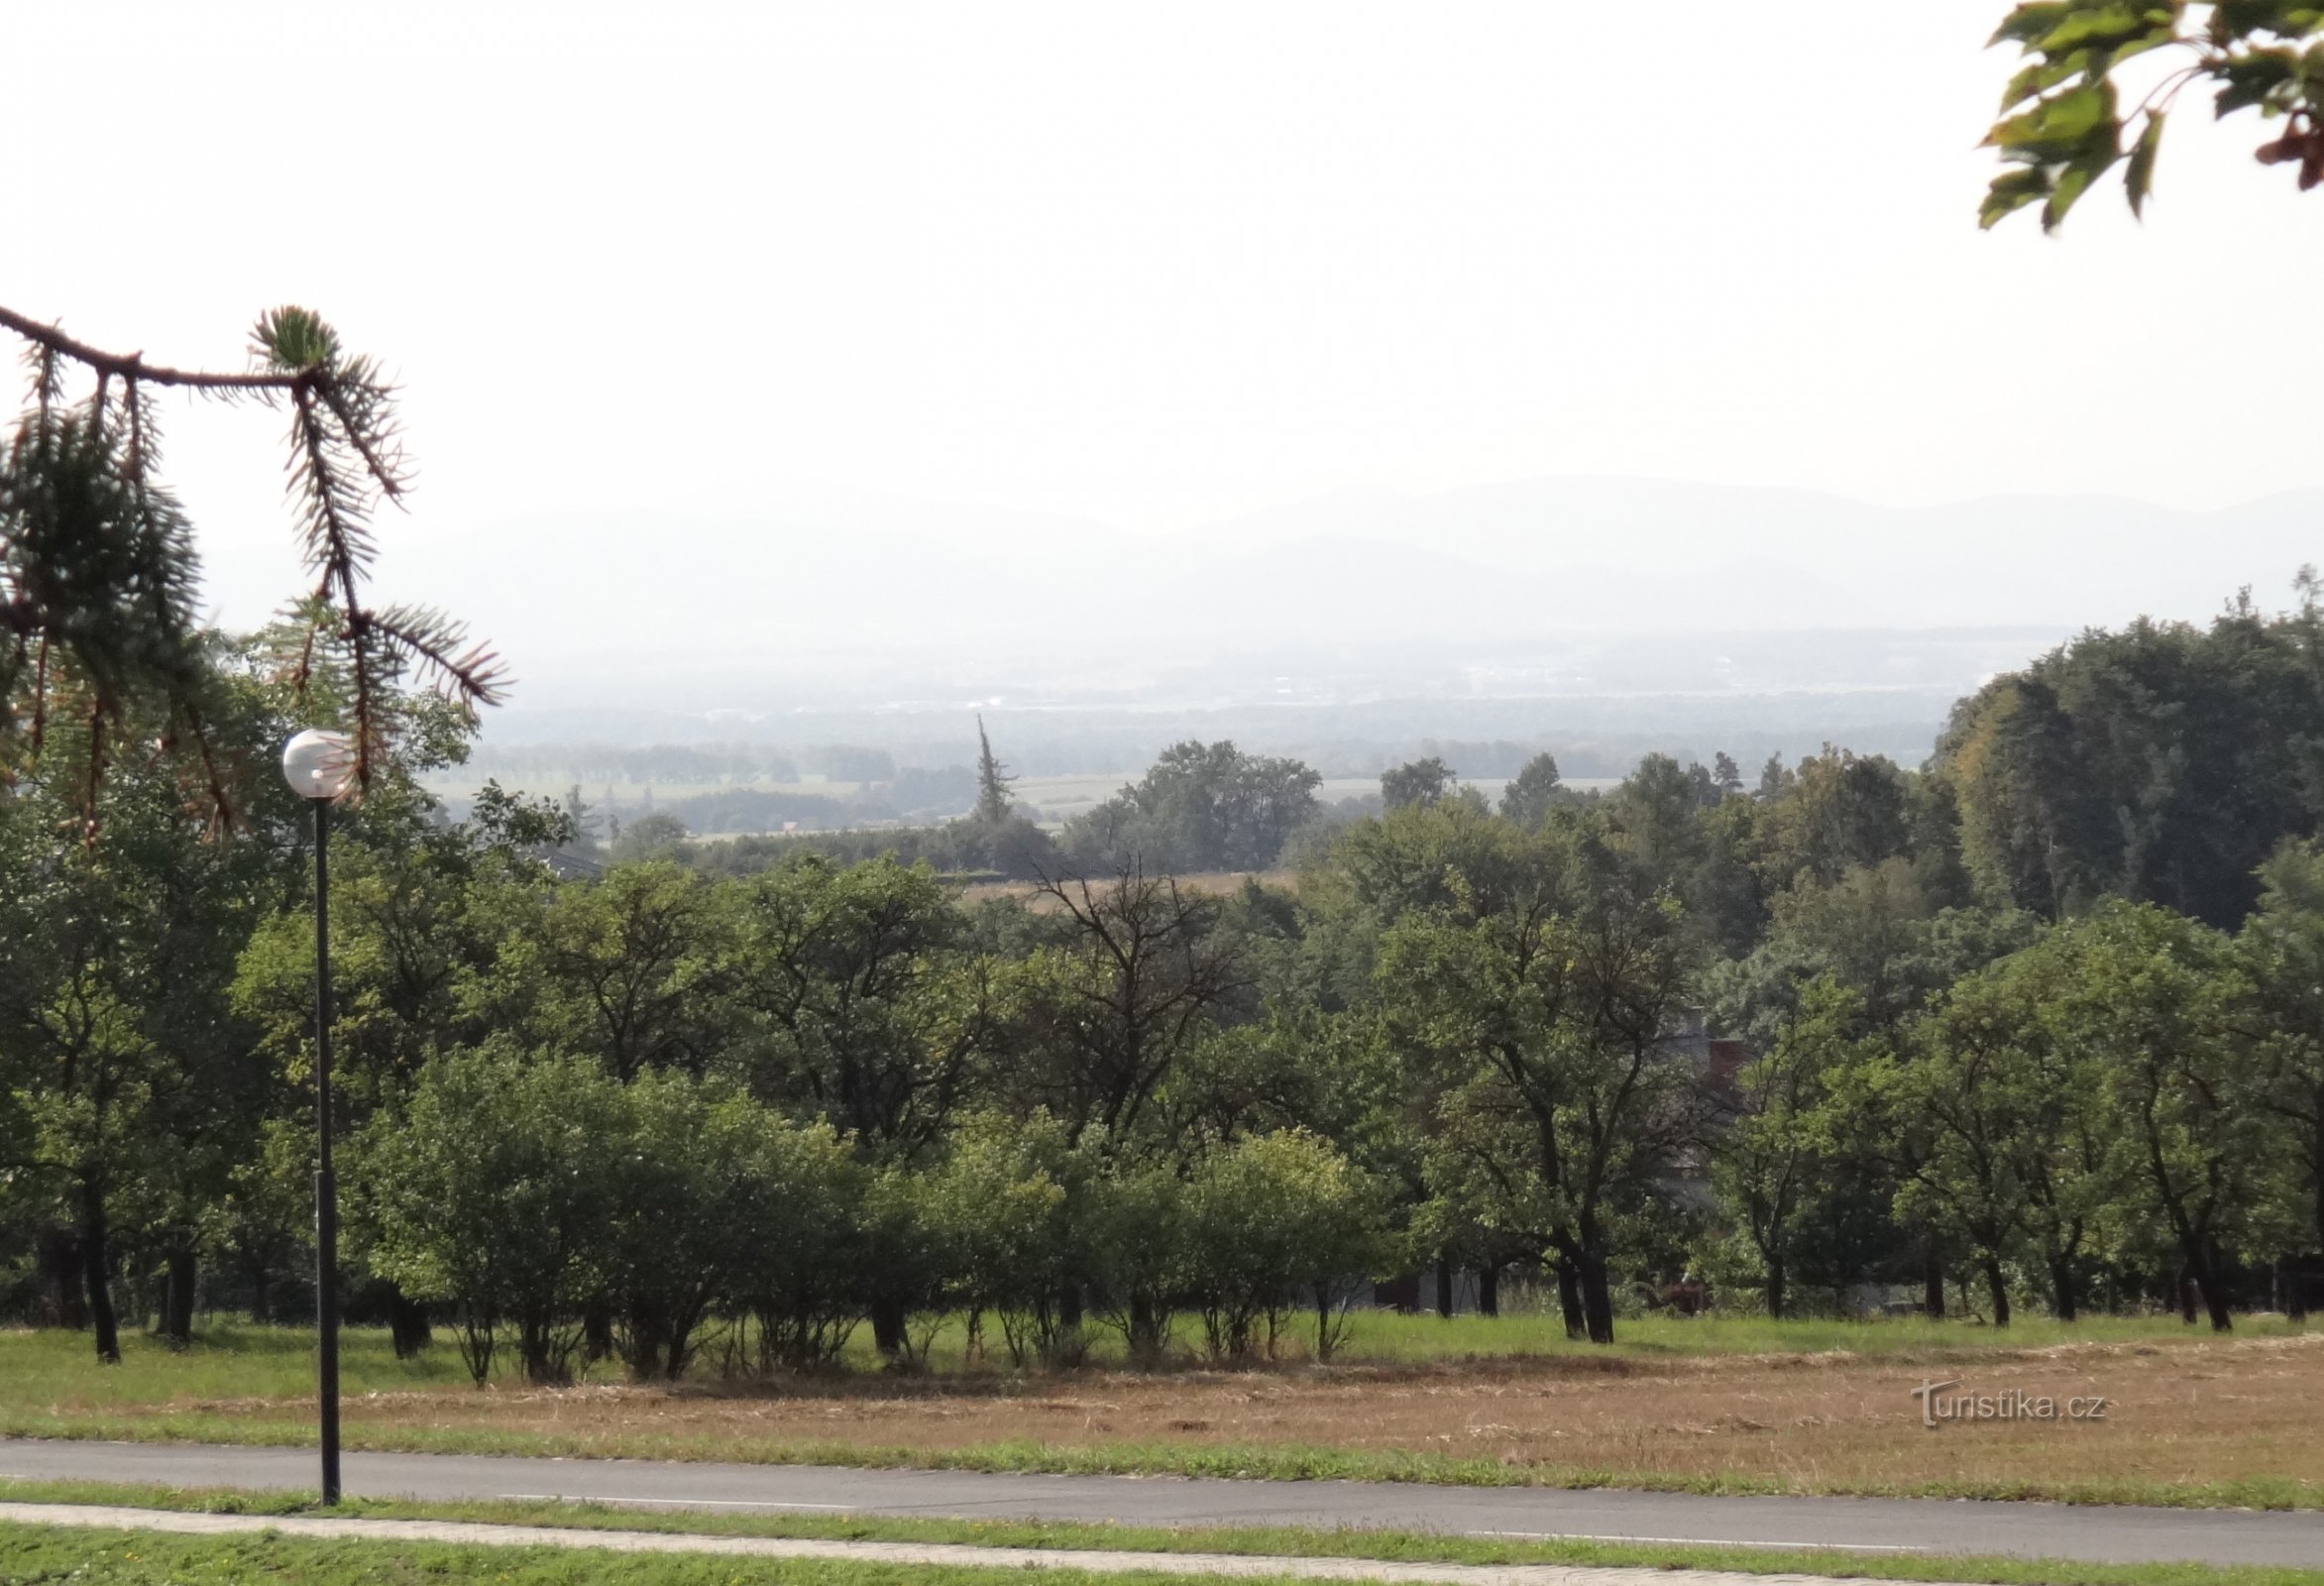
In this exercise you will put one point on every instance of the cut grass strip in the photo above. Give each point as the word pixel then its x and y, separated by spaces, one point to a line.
pixel 30 1553
pixel 1256 1462
pixel 1262 1542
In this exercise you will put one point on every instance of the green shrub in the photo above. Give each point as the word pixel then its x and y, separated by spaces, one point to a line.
pixel 1274 1223
pixel 488 1193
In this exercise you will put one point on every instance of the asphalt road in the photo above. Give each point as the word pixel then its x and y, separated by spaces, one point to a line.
pixel 2111 1534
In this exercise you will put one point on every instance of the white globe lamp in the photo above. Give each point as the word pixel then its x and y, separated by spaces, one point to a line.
pixel 319 765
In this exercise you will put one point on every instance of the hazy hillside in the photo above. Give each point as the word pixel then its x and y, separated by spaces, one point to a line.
pixel 831 615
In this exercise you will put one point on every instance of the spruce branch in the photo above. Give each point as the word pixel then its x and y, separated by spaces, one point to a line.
pixel 51 345
pixel 468 672
pixel 97 560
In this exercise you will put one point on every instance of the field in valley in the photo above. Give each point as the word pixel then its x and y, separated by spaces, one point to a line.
pixel 1052 801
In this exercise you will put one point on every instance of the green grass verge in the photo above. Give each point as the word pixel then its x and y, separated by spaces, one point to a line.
pixel 88 1557
pixel 1261 1542
pixel 239 1360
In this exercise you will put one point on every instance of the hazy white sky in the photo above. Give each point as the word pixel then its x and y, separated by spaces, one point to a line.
pixel 1148 263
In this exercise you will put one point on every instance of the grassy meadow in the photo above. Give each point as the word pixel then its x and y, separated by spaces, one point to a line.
pixel 231 1359
pixel 1710 1405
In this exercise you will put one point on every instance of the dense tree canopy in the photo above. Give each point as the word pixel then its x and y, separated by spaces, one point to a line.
pixel 2037 1023
pixel 1200 807
pixel 2163 762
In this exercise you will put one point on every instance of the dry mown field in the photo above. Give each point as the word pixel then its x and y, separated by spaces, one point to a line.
pixel 1217 883
pixel 2181 1414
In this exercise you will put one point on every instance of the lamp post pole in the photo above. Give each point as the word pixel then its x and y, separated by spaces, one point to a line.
pixel 318 766
pixel 326 1186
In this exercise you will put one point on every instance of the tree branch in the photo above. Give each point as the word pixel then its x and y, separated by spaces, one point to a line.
pixel 133 367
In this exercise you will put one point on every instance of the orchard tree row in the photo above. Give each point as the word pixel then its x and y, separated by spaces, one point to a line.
pixel 2043 1018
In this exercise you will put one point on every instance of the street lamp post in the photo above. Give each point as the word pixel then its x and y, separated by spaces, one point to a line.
pixel 318 766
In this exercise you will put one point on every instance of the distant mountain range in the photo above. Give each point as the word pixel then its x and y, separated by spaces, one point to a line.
pixel 1576 586
pixel 1742 558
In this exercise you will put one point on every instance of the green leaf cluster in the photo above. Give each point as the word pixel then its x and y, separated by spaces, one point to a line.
pixel 2065 122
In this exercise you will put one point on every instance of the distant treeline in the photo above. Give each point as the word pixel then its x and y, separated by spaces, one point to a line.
pixel 1200 807
pixel 914 794
pixel 681 763
pixel 929 777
